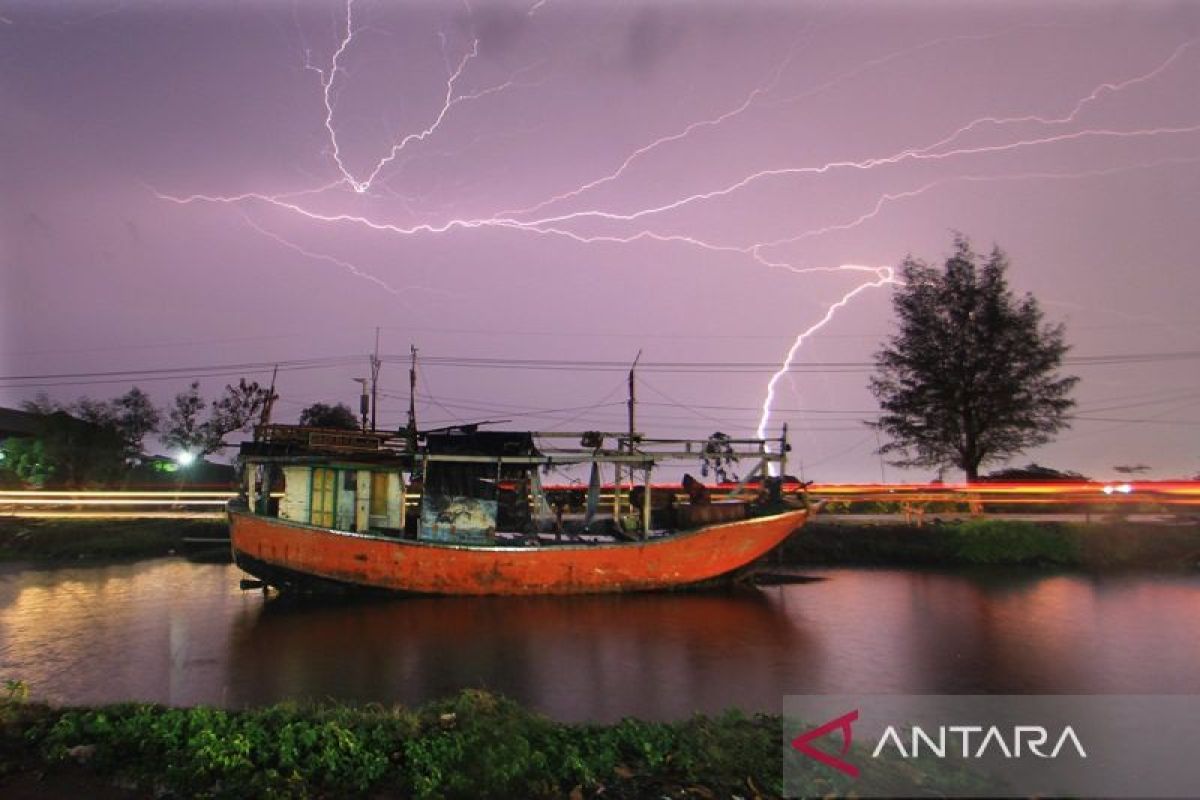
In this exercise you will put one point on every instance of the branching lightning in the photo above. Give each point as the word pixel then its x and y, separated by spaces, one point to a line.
pixel 563 225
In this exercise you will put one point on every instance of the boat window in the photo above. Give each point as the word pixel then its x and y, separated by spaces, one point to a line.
pixel 349 480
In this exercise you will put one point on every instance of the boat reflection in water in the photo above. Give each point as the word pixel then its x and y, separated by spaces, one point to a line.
pixel 575 658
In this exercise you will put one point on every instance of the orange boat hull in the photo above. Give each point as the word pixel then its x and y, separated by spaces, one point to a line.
pixel 295 556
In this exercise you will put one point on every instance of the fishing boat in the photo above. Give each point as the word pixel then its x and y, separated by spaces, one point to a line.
pixel 464 511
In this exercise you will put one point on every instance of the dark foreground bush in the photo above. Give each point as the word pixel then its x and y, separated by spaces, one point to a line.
pixel 473 745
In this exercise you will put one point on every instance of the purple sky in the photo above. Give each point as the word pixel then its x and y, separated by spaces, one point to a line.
pixel 830 134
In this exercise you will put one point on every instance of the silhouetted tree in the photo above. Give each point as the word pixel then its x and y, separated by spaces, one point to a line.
pixel 135 417
pixel 184 429
pixel 236 410
pixel 323 415
pixel 971 376
pixel 73 448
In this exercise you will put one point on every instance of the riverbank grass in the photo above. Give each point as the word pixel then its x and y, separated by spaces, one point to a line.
pixel 998 542
pixel 73 540
pixel 474 744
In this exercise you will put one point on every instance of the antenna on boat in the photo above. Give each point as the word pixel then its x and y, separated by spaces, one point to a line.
pixel 618 476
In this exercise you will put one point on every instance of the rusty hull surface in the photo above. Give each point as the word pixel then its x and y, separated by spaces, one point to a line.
pixel 268 546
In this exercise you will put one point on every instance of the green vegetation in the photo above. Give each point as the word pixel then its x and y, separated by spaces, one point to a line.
pixel 998 543
pixel 61 540
pixel 473 745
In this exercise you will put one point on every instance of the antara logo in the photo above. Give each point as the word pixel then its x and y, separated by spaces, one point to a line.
pixel 965 741
pixel 1020 740
pixel 803 743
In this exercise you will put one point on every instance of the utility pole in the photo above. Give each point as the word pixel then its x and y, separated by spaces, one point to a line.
pixel 633 399
pixel 412 400
pixel 265 420
pixel 375 365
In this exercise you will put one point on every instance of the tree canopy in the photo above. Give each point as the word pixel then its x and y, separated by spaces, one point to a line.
pixel 323 415
pixel 88 442
pixel 236 410
pixel 971 377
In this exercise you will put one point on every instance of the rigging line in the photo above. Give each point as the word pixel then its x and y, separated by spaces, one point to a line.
pixel 676 403
pixel 840 453
pixel 506 408
pixel 620 385
pixel 433 400
pixel 549 413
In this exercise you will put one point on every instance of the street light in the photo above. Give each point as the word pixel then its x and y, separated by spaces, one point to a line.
pixel 364 404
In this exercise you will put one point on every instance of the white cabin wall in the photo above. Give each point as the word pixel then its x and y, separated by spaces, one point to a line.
pixel 297 494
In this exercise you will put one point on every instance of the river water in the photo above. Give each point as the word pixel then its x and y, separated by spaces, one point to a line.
pixel 180 633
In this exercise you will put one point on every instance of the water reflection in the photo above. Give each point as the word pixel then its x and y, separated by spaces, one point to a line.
pixel 174 632
pixel 580 658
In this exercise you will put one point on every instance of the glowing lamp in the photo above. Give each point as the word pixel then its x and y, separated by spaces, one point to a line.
pixel 185 458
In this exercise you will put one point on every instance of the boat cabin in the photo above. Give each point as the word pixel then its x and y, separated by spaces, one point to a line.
pixel 472 487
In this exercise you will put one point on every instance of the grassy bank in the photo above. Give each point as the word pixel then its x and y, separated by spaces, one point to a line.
pixel 72 540
pixel 473 745
pixel 998 543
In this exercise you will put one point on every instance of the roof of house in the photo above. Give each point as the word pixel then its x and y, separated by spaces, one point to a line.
pixel 19 423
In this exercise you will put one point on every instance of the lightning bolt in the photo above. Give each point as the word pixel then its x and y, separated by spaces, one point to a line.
pixel 1095 94
pixel 884 276
pixel 329 75
pixel 346 265
pixel 562 225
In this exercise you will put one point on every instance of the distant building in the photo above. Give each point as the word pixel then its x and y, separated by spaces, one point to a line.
pixel 14 423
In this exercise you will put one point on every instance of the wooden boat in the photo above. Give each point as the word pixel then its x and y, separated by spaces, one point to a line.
pixel 332 511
